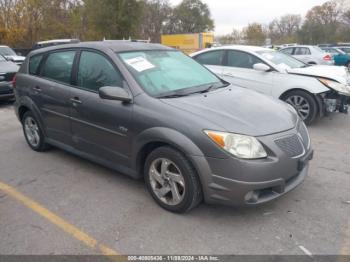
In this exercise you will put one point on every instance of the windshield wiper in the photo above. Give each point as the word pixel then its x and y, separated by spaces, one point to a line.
pixel 213 86
pixel 171 96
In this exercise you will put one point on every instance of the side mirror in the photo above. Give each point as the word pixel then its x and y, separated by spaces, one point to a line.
pixel 261 67
pixel 114 93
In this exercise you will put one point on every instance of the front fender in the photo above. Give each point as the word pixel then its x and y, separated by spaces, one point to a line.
pixel 168 136
pixel 309 84
pixel 180 142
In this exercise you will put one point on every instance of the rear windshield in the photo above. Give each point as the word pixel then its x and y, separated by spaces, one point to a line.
pixel 163 72
pixel 6 51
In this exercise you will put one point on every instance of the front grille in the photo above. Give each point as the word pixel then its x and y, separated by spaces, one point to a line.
pixel 291 145
pixel 304 133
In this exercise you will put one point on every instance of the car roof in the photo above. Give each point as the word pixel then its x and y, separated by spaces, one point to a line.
pixel 245 48
pixel 114 45
pixel 248 48
pixel 312 46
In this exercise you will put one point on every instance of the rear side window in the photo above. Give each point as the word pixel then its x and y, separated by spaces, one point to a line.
pixel 34 63
pixel 58 66
pixel 302 51
pixel 211 58
pixel 96 71
pixel 242 59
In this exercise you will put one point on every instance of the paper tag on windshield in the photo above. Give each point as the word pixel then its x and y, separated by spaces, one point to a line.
pixel 140 64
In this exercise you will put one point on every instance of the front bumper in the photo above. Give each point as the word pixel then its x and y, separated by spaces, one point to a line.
pixel 6 91
pixel 333 102
pixel 239 193
pixel 237 182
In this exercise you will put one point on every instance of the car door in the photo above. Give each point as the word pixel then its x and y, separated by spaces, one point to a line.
pixel 99 127
pixel 239 71
pixel 53 91
pixel 213 60
pixel 303 54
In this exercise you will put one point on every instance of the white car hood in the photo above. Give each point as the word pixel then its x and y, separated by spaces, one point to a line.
pixel 15 58
pixel 337 73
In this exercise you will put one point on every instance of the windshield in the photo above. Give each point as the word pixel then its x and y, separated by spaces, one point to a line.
pixel 162 73
pixel 6 51
pixel 280 60
pixel 318 49
pixel 2 59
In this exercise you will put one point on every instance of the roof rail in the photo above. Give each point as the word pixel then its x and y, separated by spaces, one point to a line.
pixel 129 40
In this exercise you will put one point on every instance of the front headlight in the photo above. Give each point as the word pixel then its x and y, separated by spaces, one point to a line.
pixel 241 146
pixel 341 88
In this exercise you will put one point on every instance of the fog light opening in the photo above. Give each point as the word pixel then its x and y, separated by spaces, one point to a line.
pixel 252 197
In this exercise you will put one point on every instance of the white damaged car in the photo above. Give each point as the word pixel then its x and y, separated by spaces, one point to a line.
pixel 312 90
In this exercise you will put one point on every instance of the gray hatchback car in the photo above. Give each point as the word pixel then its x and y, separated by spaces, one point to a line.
pixel 152 112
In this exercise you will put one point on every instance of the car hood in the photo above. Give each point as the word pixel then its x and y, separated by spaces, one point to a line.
pixel 239 110
pixel 337 73
pixel 8 67
pixel 15 58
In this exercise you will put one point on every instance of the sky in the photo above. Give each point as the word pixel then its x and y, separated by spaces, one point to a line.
pixel 229 14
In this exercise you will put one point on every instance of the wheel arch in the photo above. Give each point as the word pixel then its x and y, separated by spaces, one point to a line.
pixel 317 97
pixel 157 137
pixel 283 95
pixel 26 104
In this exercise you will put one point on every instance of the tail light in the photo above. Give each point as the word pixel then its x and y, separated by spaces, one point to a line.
pixel 14 81
pixel 327 58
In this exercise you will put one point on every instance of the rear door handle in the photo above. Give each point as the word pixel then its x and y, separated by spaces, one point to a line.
pixel 76 101
pixel 229 74
pixel 37 89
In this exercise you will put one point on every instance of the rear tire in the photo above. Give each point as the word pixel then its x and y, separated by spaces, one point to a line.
pixel 33 133
pixel 304 103
pixel 172 180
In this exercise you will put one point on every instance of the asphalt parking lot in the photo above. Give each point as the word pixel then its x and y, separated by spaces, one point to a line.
pixel 81 202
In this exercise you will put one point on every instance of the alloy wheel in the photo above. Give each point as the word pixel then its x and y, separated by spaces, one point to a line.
pixel 32 131
pixel 167 181
pixel 301 105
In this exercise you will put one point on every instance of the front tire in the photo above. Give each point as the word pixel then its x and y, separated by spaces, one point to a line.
pixel 33 133
pixel 172 180
pixel 304 103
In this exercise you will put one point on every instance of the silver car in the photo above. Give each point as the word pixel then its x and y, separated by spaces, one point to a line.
pixel 312 90
pixel 312 55
pixel 10 55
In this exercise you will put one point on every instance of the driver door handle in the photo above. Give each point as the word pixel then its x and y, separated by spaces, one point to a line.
pixel 76 101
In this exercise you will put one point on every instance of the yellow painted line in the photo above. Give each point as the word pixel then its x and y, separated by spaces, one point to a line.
pixel 59 222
